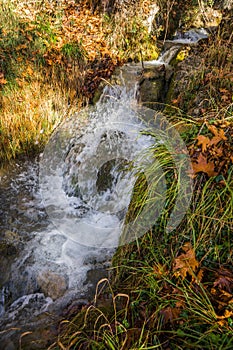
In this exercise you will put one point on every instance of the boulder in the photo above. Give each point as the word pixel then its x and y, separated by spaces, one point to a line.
pixel 52 284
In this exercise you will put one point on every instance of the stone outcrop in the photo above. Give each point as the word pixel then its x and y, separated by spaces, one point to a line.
pixel 153 86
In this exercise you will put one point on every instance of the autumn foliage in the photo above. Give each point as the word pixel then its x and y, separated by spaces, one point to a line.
pixel 212 153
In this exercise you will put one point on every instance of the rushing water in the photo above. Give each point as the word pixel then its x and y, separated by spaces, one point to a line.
pixel 62 214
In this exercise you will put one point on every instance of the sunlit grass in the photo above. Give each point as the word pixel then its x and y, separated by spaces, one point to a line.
pixel 29 115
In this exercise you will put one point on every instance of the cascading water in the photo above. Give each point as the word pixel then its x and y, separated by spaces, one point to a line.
pixel 69 207
pixel 84 188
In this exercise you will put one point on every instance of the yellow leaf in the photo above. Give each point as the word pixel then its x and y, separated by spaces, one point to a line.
pixel 3 81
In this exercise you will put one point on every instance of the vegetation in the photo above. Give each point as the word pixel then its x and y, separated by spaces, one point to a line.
pixel 53 55
pixel 169 289
pixel 174 290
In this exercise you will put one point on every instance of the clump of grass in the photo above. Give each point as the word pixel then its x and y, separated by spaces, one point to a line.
pixel 204 89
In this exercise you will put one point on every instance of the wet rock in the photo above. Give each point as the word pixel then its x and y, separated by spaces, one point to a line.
pixel 153 86
pixel 108 174
pixel 5 270
pixel 8 252
pixel 52 284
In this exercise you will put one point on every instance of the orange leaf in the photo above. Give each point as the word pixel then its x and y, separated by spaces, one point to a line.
pixel 185 263
pixel 227 314
pixel 213 129
pixel 159 270
pixel 203 141
pixel 3 81
pixel 215 140
pixel 217 132
pixel 29 70
pixel 204 166
pixel 224 91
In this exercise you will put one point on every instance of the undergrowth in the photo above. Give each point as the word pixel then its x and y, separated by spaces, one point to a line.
pixel 66 48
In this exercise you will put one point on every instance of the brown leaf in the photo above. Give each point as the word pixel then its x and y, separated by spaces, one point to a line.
pixel 170 314
pixel 215 140
pixel 204 166
pixel 217 132
pixel 185 263
pixel 213 129
pixel 224 280
pixel 223 283
pixel 224 91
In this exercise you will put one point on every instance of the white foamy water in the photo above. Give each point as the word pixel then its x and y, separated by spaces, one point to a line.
pixel 70 218
pixel 84 188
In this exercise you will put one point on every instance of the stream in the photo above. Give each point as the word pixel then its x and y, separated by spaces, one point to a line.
pixel 62 213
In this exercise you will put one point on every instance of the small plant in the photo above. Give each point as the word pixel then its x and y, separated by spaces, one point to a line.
pixel 73 50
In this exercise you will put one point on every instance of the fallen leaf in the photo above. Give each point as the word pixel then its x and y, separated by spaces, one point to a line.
pixel 217 132
pixel 170 314
pixel 227 314
pixel 185 263
pixel 224 280
pixel 202 165
pixel 224 91
pixel 3 81
pixel 203 141
pixel 159 270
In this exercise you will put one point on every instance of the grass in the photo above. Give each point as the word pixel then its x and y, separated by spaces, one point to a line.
pixel 169 289
pixel 205 89
pixel 28 119
pixel 61 49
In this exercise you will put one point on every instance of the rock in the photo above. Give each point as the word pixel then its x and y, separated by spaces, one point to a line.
pixel 149 21
pixel 105 177
pixel 153 86
pixel 5 270
pixel 52 284
pixel 8 252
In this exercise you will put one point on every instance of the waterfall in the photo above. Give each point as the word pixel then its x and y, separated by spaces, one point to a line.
pixel 72 215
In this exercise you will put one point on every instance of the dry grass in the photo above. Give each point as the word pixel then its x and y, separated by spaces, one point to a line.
pixel 29 115
pixel 53 54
